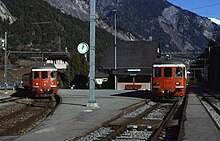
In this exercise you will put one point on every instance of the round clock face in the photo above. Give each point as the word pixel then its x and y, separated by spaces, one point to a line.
pixel 83 48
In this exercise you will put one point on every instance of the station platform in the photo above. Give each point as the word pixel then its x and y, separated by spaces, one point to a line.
pixel 6 94
pixel 73 117
pixel 199 125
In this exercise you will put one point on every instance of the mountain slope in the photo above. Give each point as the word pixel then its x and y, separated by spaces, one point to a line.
pixel 80 9
pixel 41 27
pixel 5 14
pixel 177 30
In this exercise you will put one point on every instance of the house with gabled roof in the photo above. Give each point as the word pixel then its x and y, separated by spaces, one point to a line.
pixel 60 60
pixel 134 61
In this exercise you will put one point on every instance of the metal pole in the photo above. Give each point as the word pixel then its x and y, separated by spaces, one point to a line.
pixel 5 66
pixel 92 101
pixel 115 52
pixel 42 57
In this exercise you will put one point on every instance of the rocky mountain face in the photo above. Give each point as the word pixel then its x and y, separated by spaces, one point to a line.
pixel 80 9
pixel 177 30
pixel 5 14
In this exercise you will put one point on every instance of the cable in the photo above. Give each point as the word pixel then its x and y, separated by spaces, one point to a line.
pixel 211 5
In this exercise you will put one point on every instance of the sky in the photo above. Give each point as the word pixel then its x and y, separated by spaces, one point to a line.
pixel 206 8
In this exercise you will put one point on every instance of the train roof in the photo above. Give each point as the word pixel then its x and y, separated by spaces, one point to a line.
pixel 164 61
pixel 44 66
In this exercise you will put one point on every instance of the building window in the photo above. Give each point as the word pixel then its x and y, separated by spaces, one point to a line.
pixel 125 79
pixel 142 78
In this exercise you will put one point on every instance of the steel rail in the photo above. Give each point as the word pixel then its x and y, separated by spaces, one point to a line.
pixel 123 127
pixel 206 98
pixel 156 134
pixel 8 99
pixel 31 117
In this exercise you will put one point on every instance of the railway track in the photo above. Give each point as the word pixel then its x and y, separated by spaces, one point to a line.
pixel 149 122
pixel 8 99
pixel 25 115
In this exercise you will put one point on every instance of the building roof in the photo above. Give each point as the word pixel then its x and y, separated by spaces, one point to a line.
pixel 131 54
pixel 58 56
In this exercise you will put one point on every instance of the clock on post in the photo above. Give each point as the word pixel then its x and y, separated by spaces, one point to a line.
pixel 83 48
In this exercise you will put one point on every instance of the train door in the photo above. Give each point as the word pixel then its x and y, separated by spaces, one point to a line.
pixel 35 81
pixel 44 80
pixel 168 81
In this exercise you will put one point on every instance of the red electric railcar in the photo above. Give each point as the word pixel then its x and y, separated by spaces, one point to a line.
pixel 42 80
pixel 169 78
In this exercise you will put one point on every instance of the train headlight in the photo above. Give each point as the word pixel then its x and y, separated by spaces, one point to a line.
pixel 52 83
pixel 36 84
pixel 177 83
pixel 157 83
pixel 45 84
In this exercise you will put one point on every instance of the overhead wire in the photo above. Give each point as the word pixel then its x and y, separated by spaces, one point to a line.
pixel 217 13
pixel 211 5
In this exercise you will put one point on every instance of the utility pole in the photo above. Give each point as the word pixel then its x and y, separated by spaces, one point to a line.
pixel 92 101
pixel 5 66
pixel 115 50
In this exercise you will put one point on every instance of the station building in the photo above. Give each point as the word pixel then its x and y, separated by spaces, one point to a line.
pixel 60 61
pixel 214 66
pixel 134 61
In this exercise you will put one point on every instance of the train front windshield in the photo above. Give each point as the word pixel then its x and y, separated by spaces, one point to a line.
pixel 157 72
pixel 35 75
pixel 53 74
pixel 44 74
pixel 179 72
pixel 168 72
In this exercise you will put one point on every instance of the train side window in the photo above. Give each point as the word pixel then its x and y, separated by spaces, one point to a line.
pixel 179 72
pixel 35 74
pixel 156 72
pixel 53 74
pixel 167 72
pixel 44 74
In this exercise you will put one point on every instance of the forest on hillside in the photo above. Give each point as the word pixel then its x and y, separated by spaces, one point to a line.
pixel 44 28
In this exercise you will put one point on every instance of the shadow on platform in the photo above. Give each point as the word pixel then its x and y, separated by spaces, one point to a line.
pixel 144 94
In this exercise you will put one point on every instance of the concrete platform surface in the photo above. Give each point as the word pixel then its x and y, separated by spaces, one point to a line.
pixel 73 117
pixel 199 125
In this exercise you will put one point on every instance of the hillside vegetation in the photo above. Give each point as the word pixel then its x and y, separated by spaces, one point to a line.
pixel 44 28
pixel 40 26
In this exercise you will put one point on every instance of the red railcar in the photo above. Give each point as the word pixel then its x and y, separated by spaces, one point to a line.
pixel 169 78
pixel 42 80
